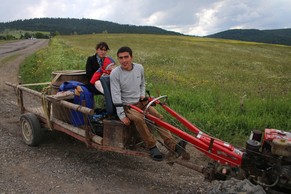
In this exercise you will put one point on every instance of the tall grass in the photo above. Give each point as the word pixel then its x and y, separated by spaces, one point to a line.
pixel 225 87
pixel 58 56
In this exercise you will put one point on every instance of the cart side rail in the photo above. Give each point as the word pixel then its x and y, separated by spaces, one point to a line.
pixel 54 113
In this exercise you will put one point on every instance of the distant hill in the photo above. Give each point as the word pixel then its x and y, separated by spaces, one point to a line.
pixel 67 26
pixel 280 36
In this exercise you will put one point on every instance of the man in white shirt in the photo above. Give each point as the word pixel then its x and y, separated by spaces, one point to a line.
pixel 127 83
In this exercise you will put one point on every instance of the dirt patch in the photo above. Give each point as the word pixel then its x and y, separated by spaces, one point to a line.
pixel 62 164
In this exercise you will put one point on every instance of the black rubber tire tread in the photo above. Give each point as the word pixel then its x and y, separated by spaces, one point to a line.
pixel 30 120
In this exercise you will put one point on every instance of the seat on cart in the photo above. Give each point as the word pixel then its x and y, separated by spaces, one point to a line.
pixel 110 108
pixel 115 133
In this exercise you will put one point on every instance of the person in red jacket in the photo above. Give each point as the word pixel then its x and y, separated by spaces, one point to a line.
pixel 94 63
pixel 105 69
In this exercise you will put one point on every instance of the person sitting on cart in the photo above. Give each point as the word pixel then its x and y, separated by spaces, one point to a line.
pixel 127 85
pixel 94 63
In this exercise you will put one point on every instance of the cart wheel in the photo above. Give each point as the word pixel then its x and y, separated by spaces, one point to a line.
pixel 31 130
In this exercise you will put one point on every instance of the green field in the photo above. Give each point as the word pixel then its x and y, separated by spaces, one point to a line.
pixel 227 88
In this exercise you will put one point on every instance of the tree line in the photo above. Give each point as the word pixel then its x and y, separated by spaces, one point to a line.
pixel 68 26
pixel 279 36
pixel 25 35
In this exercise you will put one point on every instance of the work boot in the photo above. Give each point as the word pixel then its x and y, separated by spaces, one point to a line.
pixel 156 154
pixel 180 147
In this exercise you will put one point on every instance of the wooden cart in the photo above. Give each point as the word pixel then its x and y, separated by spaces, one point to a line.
pixel 42 111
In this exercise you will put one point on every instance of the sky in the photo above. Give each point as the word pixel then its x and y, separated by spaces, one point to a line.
pixel 189 17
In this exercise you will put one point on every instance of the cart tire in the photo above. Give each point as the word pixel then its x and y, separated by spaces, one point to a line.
pixel 31 131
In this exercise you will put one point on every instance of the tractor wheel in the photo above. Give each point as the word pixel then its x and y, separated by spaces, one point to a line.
pixel 31 131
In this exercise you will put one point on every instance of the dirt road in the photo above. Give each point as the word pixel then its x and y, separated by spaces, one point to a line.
pixel 62 164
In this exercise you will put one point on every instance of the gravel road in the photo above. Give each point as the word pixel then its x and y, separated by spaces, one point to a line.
pixel 62 164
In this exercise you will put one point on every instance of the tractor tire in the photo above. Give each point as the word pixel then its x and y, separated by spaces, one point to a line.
pixel 32 132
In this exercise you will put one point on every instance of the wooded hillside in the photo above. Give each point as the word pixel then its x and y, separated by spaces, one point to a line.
pixel 66 26
pixel 280 36
pixel 69 26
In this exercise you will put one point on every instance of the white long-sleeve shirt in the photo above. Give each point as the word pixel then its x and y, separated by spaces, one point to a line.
pixel 126 87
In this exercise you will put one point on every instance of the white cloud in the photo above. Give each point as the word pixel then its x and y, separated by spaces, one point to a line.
pixel 37 10
pixel 192 17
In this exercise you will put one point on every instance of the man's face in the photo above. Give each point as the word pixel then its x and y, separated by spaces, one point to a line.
pixel 101 52
pixel 125 61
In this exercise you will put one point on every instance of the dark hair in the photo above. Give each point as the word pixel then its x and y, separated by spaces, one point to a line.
pixel 102 45
pixel 125 49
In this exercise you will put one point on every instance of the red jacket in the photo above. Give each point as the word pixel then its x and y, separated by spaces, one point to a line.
pixel 106 68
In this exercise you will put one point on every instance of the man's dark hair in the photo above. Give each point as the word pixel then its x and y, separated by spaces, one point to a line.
pixel 125 49
pixel 102 45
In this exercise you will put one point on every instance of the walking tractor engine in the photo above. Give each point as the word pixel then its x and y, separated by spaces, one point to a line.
pixel 267 161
